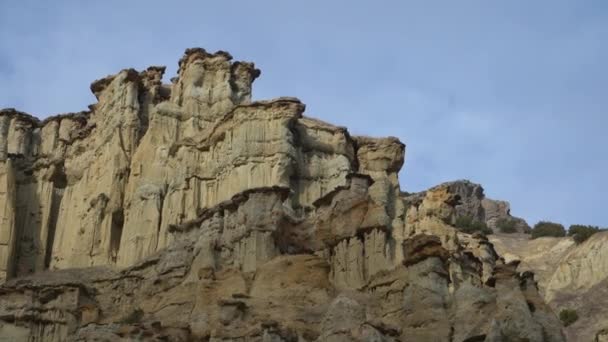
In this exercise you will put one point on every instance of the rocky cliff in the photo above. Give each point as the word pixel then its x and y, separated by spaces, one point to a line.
pixel 570 276
pixel 190 212
pixel 470 201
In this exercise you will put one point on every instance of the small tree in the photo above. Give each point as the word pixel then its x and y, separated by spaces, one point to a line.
pixel 568 316
pixel 546 228
pixel 580 233
pixel 506 225
pixel 467 224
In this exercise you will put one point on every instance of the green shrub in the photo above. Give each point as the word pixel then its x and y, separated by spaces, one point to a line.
pixel 467 224
pixel 134 317
pixel 581 233
pixel 506 225
pixel 568 316
pixel 546 228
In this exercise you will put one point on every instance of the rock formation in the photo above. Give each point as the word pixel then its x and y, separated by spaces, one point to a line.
pixel 570 276
pixel 188 212
pixel 471 201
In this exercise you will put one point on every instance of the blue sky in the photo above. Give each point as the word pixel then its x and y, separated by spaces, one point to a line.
pixel 509 94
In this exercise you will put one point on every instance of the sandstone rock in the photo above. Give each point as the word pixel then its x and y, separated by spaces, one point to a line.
pixel 494 211
pixel 570 276
pixel 540 255
pixel 582 268
pixel 467 199
pixel 7 219
pixel 421 247
pixel 433 212
pixel 602 336
pixel 190 212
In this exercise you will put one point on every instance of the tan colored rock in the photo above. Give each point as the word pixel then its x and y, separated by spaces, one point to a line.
pixel 602 336
pixel 582 268
pixel 190 212
pixel 422 247
pixel 209 85
pixel 541 255
pixel 495 211
pixel 251 148
pixel 326 155
pixel 431 213
pixel 290 297
pixel 7 219
pixel 380 158
pixel 468 199
pixel 569 275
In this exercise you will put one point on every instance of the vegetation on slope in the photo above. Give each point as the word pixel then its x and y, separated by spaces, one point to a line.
pixel 467 224
pixel 568 316
pixel 546 228
pixel 580 233
pixel 506 225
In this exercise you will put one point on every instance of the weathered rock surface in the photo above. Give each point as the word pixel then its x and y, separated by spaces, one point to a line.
pixel 541 255
pixel 471 202
pixel 570 276
pixel 581 268
pixel 188 212
pixel 601 336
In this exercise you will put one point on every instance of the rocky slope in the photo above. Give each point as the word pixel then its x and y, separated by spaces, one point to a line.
pixel 541 255
pixel 189 212
pixel 570 276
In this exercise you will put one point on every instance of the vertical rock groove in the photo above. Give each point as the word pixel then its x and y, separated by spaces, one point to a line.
pixel 187 211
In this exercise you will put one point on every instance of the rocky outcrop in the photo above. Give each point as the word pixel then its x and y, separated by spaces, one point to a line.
pixel 470 201
pixel 495 211
pixel 582 268
pixel 580 282
pixel 229 276
pixel 102 187
pixel 569 276
pixel 540 255
pixel 189 212
pixel 601 336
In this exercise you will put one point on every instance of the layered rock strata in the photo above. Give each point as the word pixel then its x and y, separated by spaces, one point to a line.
pixel 570 276
pixel 189 212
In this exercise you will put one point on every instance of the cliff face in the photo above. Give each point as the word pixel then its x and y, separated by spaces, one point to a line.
pixel 470 201
pixel 189 212
pixel 541 255
pixel 580 282
pixel 570 276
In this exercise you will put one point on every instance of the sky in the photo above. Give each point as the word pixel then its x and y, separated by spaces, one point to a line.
pixel 509 94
